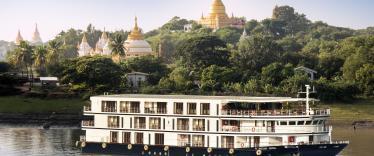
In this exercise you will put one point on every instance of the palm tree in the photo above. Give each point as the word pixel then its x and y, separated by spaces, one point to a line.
pixel 54 49
pixel 39 56
pixel 116 44
pixel 23 57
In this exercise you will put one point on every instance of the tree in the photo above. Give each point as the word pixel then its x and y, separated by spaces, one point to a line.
pixel 4 67
pixel 23 57
pixel 98 74
pixel 256 52
pixel 150 65
pixel 39 55
pixel 214 77
pixel 54 50
pixel 365 79
pixel 176 23
pixel 116 44
pixel 200 52
pixel 275 73
pixel 229 34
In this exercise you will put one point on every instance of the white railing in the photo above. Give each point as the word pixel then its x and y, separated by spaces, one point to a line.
pixel 276 129
pixel 235 112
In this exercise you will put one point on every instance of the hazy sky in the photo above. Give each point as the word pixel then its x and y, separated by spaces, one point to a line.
pixel 53 16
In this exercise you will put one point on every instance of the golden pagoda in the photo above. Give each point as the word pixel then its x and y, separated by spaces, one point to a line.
pixel 218 18
pixel 135 45
pixel 18 38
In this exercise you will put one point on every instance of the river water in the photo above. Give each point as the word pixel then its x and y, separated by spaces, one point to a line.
pixel 32 140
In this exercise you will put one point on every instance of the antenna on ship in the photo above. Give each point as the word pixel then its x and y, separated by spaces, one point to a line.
pixel 307 99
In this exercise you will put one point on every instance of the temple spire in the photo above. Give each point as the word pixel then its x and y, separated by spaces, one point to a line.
pixel 136 33
pixel 84 39
pixel 36 39
pixel 18 38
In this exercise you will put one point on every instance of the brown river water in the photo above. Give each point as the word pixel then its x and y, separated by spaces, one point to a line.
pixel 32 140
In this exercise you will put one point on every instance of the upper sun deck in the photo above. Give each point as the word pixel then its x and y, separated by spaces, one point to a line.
pixel 223 99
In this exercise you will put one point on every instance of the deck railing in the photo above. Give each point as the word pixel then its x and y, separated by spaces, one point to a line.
pixel 235 112
pixel 139 125
pixel 131 110
pixel 155 111
pixel 183 127
pixel 261 129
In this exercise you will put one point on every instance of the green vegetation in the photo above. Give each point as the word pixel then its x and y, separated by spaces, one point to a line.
pixel 20 104
pixel 222 62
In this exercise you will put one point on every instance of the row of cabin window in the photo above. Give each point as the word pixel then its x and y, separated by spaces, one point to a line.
pixel 155 123
pixel 154 107
pixel 307 122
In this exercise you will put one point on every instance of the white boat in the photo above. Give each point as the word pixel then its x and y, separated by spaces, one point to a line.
pixel 139 124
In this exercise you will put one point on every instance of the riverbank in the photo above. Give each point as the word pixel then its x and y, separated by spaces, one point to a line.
pixel 38 111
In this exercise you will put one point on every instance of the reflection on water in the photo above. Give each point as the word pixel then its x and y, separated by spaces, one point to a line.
pixel 60 141
pixel 35 141
pixel 361 140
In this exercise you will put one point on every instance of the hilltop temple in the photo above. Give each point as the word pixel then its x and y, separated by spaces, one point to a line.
pixel 135 45
pixel 217 17
pixel 35 40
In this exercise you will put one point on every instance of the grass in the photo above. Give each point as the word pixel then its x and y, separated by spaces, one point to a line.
pixel 353 111
pixel 20 104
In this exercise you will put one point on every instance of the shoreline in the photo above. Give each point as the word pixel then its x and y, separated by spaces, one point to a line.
pixel 57 119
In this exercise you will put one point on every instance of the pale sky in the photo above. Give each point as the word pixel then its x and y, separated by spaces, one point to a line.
pixel 53 16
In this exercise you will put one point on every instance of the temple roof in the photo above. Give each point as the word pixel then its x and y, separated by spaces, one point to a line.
pixel 135 34
pixel 18 38
pixel 36 36
pixel 217 8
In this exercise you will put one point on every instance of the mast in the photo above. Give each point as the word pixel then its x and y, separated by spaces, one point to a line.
pixel 307 99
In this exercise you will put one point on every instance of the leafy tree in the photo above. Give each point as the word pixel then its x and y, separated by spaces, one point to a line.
pixel 256 52
pixel 214 77
pixel 294 84
pixel 150 65
pixel 274 73
pixel 97 73
pixel 180 79
pixel 229 34
pixel 365 79
pixel 176 23
pixel 202 51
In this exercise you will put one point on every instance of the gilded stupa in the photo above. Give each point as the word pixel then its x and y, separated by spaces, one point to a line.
pixel 135 45
pixel 19 38
pixel 36 39
pixel 218 18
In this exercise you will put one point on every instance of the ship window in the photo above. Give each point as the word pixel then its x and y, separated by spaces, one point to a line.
pixel 155 107
pixel 113 137
pixel 283 122
pixel 191 108
pixel 154 123
pixel 178 108
pixel 292 123
pixel 320 122
pixel 139 122
pixel 204 108
pixel 183 139
pixel 129 107
pixel 183 124
pixel 308 122
pixel 138 138
pixel 300 122
pixel 126 137
pixel 108 106
pixel 198 140
pixel 113 121
pixel 159 139
pixel 315 122
pixel 198 124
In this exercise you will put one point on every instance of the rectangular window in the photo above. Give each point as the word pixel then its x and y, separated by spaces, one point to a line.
pixel 283 122
pixel 130 122
pixel 139 122
pixel 300 122
pixel 113 137
pixel 217 109
pixel 159 139
pixel 315 122
pixel 129 107
pixel 126 137
pixel 155 107
pixel 207 125
pixel 217 125
pixel 198 124
pixel 198 140
pixel 173 123
pixel 292 123
pixel 113 121
pixel 183 140
pixel 191 108
pixel 154 123
pixel 163 123
pixel 121 122
pixel 204 108
pixel 183 124
pixel 308 122
pixel 108 106
pixel 139 138
pixel 178 108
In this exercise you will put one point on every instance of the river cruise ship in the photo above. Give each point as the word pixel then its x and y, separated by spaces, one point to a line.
pixel 192 125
